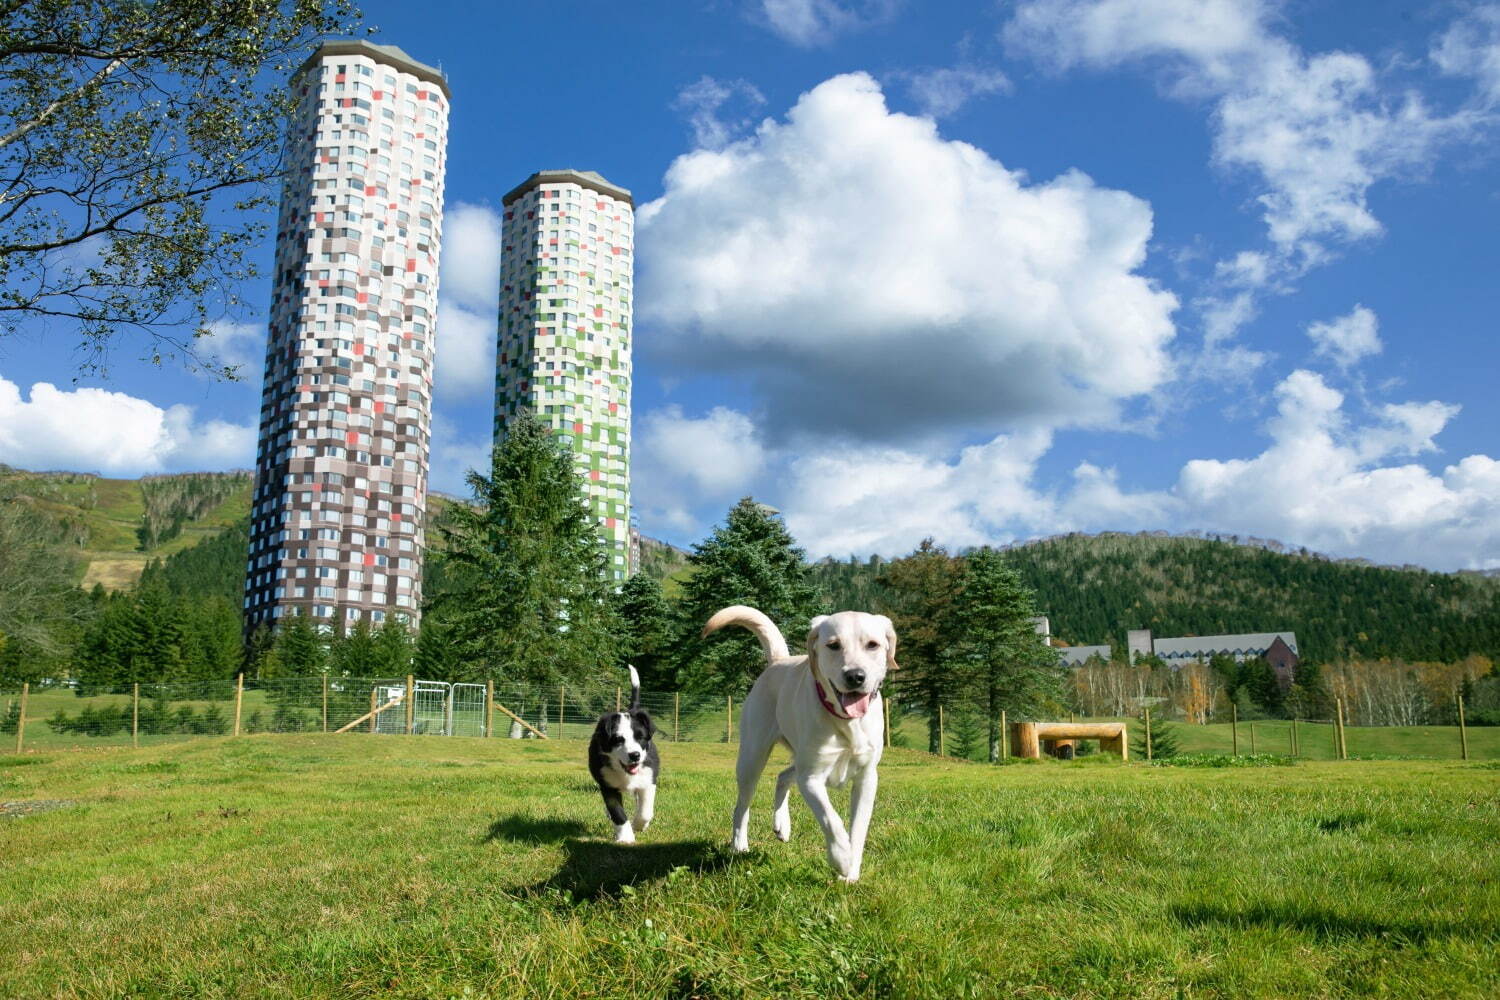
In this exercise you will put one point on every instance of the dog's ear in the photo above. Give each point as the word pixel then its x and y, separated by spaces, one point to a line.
pixel 812 639
pixel 890 643
pixel 644 721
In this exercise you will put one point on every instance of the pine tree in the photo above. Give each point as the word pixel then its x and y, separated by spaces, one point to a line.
pixel 297 650
pixel 996 644
pixel 646 628
pixel 526 598
pixel 965 734
pixel 750 559
pixel 1163 741
pixel 919 591
pixel 354 653
pixel 394 649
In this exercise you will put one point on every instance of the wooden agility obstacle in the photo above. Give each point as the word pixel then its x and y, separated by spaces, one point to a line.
pixel 1030 739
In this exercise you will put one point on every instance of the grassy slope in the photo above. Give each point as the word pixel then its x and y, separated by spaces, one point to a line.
pixel 369 866
pixel 111 510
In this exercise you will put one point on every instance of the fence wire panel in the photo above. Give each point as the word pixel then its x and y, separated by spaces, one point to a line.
pixel 61 714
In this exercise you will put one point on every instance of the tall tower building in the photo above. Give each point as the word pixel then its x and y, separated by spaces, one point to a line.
pixel 564 337
pixel 338 518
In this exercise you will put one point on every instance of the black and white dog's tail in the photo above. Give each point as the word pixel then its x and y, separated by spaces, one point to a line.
pixel 635 690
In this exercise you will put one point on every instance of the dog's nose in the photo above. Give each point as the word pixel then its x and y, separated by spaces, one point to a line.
pixel 854 677
pixel 633 757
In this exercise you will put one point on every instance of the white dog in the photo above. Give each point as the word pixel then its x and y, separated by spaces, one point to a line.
pixel 825 707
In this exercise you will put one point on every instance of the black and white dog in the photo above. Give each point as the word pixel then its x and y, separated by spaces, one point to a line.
pixel 622 758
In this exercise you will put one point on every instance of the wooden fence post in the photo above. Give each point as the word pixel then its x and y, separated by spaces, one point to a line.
pixel 373 717
pixel 489 708
pixel 135 715
pixel 21 719
pixel 729 718
pixel 885 709
pixel 1294 736
pixel 239 698
pixel 1234 727
pixel 411 705
pixel 1148 733
pixel 562 705
pixel 941 742
pixel 676 704
pixel 1463 733
pixel 617 697
pixel 1252 739
pixel 325 703
pixel 1004 737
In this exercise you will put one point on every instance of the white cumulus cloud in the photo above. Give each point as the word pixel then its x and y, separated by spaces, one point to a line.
pixel 1471 47
pixel 1347 339
pixel 878 281
pixel 1318 131
pixel 682 463
pixel 1332 484
pixel 817 22
pixel 718 111
pixel 468 301
pixel 1330 480
pixel 942 92
pixel 97 430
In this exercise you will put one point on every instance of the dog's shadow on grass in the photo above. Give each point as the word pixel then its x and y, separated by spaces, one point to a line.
pixel 595 868
pixel 522 829
pixel 1325 923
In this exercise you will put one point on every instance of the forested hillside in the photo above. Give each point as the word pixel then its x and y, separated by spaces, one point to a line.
pixel 1094 587
pixel 113 527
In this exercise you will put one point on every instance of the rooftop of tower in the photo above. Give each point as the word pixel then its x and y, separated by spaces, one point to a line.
pixel 584 178
pixel 389 55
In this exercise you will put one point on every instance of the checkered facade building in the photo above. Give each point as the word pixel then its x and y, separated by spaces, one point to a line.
pixel 338 515
pixel 563 350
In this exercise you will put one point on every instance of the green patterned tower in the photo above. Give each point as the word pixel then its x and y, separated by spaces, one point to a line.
pixel 564 332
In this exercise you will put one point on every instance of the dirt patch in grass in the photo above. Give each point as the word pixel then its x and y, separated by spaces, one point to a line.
pixel 30 807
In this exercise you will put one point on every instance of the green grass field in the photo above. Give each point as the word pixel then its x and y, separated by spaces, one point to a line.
pixel 359 866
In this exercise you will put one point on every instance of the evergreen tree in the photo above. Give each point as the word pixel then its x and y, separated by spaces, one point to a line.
pixel 646 629
pixel 750 559
pixel 996 644
pixel 1163 741
pixel 437 654
pixel 965 734
pixel 918 592
pixel 395 648
pixel 354 654
pixel 297 650
pixel 526 597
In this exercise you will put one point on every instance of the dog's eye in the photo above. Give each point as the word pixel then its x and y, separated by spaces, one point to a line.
pixel 833 644
pixel 872 644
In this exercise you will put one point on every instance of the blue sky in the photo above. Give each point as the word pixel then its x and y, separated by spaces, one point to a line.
pixel 976 271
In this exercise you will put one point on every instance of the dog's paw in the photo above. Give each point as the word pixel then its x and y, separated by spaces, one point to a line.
pixel 840 857
pixel 640 824
pixel 624 834
pixel 782 827
pixel 740 845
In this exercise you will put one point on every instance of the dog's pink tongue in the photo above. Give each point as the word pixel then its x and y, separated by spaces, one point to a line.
pixel 856 705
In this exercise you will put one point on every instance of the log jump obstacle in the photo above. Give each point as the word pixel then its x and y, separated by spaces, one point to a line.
pixel 1031 739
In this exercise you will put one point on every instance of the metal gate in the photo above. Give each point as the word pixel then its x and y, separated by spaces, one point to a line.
pixel 438 709
pixel 430 714
pixel 467 710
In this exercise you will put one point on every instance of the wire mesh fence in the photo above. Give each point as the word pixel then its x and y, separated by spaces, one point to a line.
pixel 61 714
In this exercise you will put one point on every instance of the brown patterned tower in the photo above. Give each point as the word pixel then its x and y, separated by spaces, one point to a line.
pixel 338 519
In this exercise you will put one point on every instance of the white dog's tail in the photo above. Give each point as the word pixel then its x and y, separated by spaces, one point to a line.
pixel 765 630
pixel 635 689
